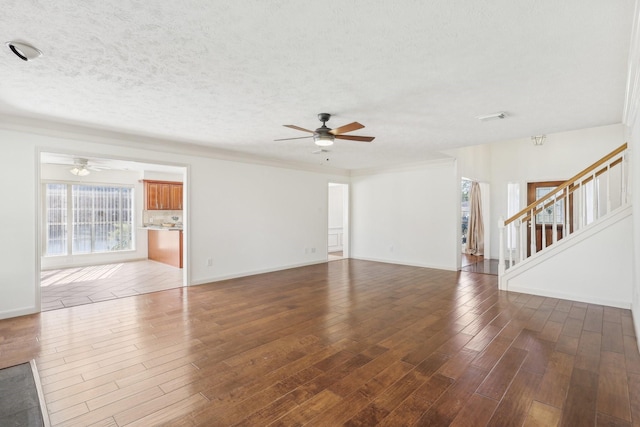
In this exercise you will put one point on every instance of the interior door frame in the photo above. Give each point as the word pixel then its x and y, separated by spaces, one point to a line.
pixel 40 215
pixel 346 218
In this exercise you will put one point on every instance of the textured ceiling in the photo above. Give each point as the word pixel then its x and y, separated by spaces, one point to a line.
pixel 229 74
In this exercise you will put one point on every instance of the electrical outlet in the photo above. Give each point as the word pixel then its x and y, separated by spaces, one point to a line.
pixel 313 250
pixel 209 262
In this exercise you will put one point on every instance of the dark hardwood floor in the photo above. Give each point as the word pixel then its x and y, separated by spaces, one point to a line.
pixel 342 343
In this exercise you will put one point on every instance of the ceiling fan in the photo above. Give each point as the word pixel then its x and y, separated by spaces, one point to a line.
pixel 81 167
pixel 324 136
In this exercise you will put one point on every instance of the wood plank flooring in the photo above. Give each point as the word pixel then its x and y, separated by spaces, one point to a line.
pixel 348 342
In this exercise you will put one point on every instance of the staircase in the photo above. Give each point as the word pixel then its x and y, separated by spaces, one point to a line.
pixel 560 244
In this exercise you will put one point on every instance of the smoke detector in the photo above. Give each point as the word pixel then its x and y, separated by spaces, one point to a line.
pixel 23 50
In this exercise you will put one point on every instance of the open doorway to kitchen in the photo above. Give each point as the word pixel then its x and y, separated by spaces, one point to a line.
pixel 338 221
pixel 96 225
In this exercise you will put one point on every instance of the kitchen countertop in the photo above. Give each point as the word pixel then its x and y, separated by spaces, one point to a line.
pixel 161 228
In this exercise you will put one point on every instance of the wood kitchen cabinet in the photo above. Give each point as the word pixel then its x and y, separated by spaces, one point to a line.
pixel 166 246
pixel 163 195
pixel 176 196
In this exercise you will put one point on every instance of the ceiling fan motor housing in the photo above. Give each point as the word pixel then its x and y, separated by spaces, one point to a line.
pixel 324 117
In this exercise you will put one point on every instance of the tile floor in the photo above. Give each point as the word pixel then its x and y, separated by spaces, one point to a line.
pixel 85 285
pixel 478 264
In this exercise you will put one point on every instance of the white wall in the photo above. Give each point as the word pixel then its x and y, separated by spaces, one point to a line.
pixel 249 218
pixel 635 197
pixel 562 156
pixel 408 216
pixel 591 266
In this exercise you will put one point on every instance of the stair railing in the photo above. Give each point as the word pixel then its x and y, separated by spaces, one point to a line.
pixel 594 192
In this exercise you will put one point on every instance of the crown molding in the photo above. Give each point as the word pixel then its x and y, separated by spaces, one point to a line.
pixel 403 167
pixel 184 147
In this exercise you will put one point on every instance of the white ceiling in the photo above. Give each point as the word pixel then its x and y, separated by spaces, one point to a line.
pixel 229 74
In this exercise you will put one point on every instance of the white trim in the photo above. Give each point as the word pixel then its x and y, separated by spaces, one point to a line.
pixel 410 264
pixel 255 272
pixel 571 297
pixel 39 236
pixel 24 311
pixel 402 168
pixel 176 146
pixel 43 404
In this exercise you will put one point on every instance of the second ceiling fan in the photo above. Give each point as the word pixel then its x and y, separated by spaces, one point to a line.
pixel 324 136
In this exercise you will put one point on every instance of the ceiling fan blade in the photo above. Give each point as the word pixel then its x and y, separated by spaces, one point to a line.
pixel 289 139
pixel 346 128
pixel 356 138
pixel 298 128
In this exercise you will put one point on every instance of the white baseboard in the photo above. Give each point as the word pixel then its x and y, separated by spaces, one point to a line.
pixel 572 297
pixel 410 264
pixel 252 273
pixel 19 312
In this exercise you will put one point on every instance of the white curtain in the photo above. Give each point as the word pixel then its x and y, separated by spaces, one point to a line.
pixel 475 240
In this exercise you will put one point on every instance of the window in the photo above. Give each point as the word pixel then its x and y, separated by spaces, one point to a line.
pixel 546 216
pixel 513 207
pixel 464 203
pixel 82 219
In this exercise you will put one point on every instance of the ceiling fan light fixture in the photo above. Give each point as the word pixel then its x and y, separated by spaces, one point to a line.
pixel 80 167
pixel 323 140
pixel 79 171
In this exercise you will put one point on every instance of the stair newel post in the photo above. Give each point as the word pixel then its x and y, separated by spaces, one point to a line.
pixel 501 265
pixel 516 240
pixel 510 235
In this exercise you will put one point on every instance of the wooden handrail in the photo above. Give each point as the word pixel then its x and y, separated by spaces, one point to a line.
pixel 567 183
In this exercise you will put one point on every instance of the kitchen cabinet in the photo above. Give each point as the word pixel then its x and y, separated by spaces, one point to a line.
pixel 165 246
pixel 163 195
pixel 176 196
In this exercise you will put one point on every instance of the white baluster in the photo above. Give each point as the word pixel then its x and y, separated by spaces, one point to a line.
pixel 516 247
pixel 554 238
pixel 532 223
pixel 580 206
pixel 623 180
pixel 565 227
pixel 501 266
pixel 608 188
pixel 544 230
pixel 596 201
pixel 522 238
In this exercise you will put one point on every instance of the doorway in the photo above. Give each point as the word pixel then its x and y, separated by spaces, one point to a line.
pixel 338 221
pixel 91 226
pixel 545 218
pixel 475 262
